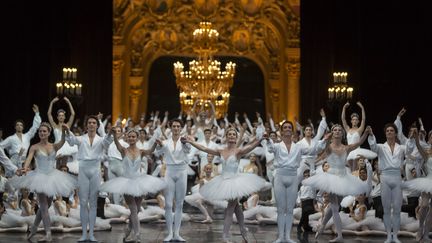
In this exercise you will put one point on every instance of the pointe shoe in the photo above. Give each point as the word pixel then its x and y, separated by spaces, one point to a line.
pixel 92 238
pixel 169 237
pixel 289 240
pixel 178 238
pixel 388 240
pixel 131 239
pixel 396 240
pixel 226 239
pixel 337 239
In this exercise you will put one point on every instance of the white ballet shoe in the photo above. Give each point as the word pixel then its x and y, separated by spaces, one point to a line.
pixel 169 237
pixel 92 238
pixel 207 221
pixel 290 241
pixel 279 240
pixel 337 239
pixel 177 237
pixel 83 238
pixel 388 240
pixel 47 238
pixel 226 239
pixel 396 240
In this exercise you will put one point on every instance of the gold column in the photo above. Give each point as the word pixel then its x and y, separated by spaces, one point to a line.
pixel 135 94
pixel 117 88
pixel 293 83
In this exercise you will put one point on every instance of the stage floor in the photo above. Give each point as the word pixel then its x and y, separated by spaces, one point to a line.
pixel 196 232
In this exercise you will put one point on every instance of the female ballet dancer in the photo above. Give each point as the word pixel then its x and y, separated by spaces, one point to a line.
pixel 390 157
pixel 337 182
pixel 423 185
pixel 231 185
pixel 66 152
pixel 354 133
pixel 90 148
pixel 45 180
pixel 132 184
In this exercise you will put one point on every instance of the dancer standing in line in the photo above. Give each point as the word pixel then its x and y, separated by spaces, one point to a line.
pixel 390 157
pixel 90 150
pixel 231 185
pixel 423 185
pixel 45 180
pixel 132 184
pixel 286 162
pixel 337 181
pixel 175 153
pixel 17 145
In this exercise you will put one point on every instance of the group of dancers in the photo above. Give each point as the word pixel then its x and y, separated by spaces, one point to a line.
pixel 304 167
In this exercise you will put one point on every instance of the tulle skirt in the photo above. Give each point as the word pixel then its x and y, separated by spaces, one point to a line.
pixel 235 186
pixel 51 184
pixel 368 154
pixel 195 197
pixel 342 185
pixel 423 184
pixel 136 186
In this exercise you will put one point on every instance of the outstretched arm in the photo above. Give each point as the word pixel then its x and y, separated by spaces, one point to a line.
pixel 199 146
pixel 72 111
pixel 49 113
pixel 419 147
pixel 249 147
pixel 344 123
pixel 120 148
pixel 363 121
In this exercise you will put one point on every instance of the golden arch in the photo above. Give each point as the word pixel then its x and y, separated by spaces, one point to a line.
pixel 266 32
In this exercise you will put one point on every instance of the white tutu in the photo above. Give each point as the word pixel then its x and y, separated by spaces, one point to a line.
pixel 347 201
pixel 116 211
pixel 423 184
pixel 137 186
pixel 193 198
pixel 73 167
pixel 368 154
pixel 53 183
pixel 342 185
pixel 237 186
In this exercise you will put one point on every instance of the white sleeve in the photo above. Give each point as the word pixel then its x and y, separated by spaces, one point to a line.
pixel 36 123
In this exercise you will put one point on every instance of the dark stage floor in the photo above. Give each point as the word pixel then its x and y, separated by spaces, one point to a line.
pixel 195 232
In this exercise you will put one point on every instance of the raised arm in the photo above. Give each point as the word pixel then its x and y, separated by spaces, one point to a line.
pixel 193 112
pixel 419 147
pixel 72 111
pixel 120 148
pixel 29 158
pixel 351 147
pixel 213 113
pixel 199 146
pixel 344 123
pixel 249 147
pixel 363 121
pixel 49 113
pixel 321 127
pixel 58 145
pixel 152 149
pixel 36 122
pixel 398 122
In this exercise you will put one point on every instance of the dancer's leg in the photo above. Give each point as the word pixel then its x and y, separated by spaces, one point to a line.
pixel 93 194
pixel 281 204
pixel 180 193
pixel 291 190
pixel 386 203
pixel 169 197
pixel 228 218
pixel 83 194
pixel 44 203
pixel 334 207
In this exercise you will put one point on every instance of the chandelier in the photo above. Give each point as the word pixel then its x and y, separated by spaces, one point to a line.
pixel 205 81
pixel 69 86
pixel 340 89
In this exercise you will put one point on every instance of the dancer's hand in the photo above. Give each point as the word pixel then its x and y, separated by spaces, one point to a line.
pixel 401 112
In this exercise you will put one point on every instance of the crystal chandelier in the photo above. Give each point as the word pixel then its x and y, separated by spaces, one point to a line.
pixel 205 81
pixel 340 89
pixel 69 86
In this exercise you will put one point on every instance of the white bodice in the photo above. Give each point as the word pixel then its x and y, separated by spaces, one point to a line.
pixel 229 166
pixel 353 137
pixel 45 163
pixel 337 163
pixel 131 168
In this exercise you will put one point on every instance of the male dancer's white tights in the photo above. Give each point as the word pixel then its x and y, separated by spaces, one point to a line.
pixel 176 179
pixel 285 186
pixel 89 180
pixel 391 198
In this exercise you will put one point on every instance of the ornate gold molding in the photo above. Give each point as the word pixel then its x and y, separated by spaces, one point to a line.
pixel 260 30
